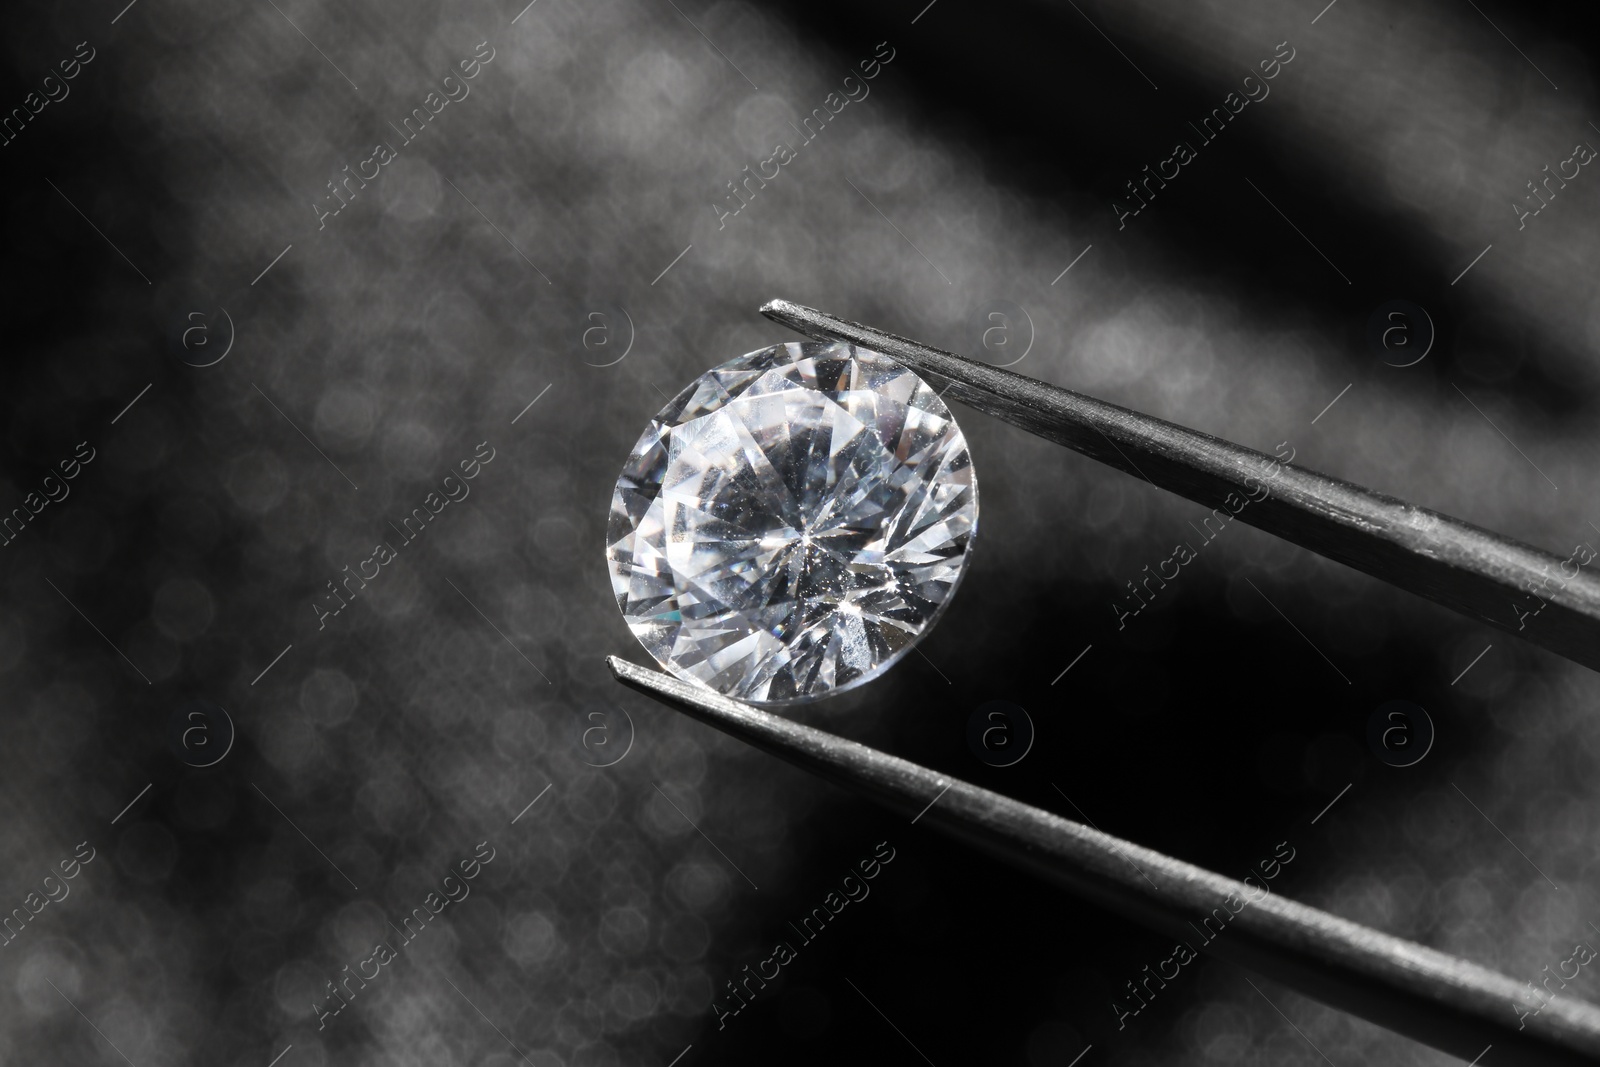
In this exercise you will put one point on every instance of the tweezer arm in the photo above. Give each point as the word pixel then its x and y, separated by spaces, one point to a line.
pixel 1455 1006
pixel 1464 567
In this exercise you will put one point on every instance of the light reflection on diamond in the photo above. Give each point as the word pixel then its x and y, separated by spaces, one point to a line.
pixel 792 522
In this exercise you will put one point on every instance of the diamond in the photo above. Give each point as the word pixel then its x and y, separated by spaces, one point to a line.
pixel 792 522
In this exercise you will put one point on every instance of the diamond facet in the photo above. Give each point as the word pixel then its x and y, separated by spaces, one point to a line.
pixel 792 522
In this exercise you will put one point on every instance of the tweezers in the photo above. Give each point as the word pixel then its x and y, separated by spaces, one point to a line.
pixel 1449 1003
pixel 1472 570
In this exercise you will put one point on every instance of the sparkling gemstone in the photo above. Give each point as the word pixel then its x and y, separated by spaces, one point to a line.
pixel 792 522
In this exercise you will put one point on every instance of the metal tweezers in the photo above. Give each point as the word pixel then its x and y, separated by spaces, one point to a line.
pixel 1449 1003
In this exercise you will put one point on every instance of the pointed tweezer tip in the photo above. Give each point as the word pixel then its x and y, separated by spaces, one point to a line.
pixel 942 366
pixel 777 306
pixel 795 316
pixel 642 678
pixel 692 699
pixel 836 759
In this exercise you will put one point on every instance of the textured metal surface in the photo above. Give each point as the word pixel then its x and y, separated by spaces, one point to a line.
pixel 1433 997
pixel 1475 571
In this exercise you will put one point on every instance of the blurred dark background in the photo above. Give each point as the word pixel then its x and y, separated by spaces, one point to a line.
pixel 144 210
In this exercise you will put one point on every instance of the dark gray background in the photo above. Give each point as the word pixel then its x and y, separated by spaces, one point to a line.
pixel 457 287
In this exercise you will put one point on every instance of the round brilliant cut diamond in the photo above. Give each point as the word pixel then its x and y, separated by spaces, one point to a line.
pixel 792 522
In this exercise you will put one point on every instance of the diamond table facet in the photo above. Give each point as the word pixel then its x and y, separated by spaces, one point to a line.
pixel 792 522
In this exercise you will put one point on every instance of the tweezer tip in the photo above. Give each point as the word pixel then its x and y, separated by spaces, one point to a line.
pixel 619 667
pixel 663 687
pixel 781 310
pixel 694 699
